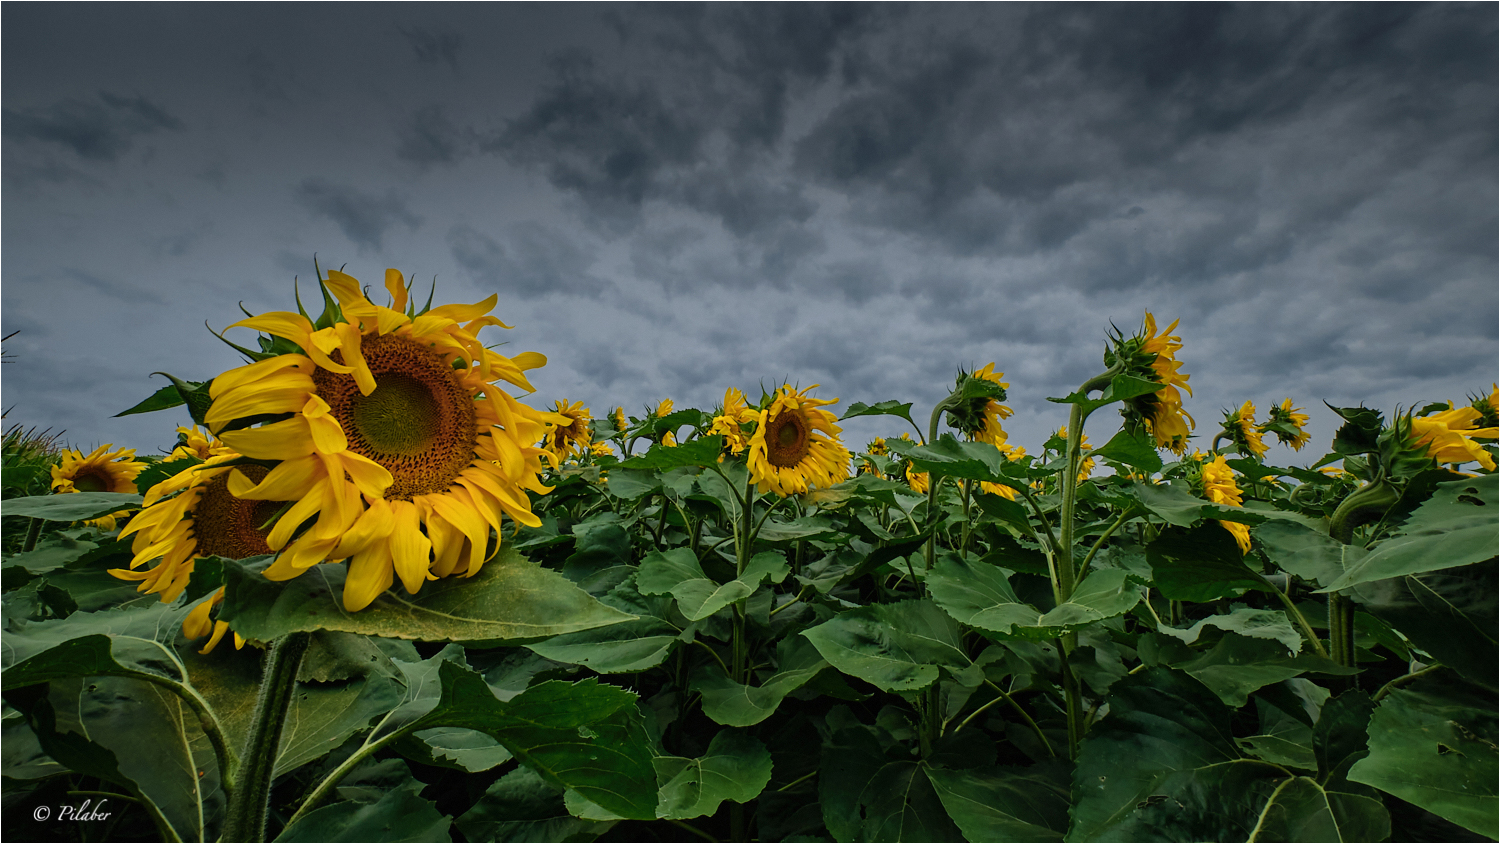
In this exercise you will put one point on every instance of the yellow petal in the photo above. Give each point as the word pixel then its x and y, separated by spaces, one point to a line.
pixel 370 574
pixel 243 403
pixel 284 440
pixel 374 525
pixel 349 342
pixel 289 481
pixel 395 284
pixel 327 433
pixel 464 313
pixel 410 549
pixel 254 372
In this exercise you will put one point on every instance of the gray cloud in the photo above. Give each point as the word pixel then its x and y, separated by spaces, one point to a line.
pixel 363 218
pixel 531 261
pixel 430 137
pixel 96 131
pixel 432 47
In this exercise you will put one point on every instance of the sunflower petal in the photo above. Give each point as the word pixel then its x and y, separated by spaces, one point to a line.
pixel 410 549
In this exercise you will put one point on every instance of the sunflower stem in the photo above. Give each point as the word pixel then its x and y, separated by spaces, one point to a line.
pixel 33 533
pixel 963 545
pixel 246 816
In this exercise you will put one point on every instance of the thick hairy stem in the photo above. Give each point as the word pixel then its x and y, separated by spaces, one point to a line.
pixel 246 816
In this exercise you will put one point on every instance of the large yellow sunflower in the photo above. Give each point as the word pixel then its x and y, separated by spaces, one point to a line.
pixel 573 438
pixel 396 445
pixel 102 471
pixel 795 446
pixel 192 515
pixel 1449 436
pixel 1219 487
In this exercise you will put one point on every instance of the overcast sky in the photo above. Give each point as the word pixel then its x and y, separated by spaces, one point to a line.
pixel 670 200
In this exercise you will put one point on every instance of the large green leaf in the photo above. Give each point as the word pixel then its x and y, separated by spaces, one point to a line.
pixel 955 458
pixel 385 805
pixel 1176 504
pixel 897 647
pixel 1004 803
pixel 1301 809
pixel 869 796
pixel 1200 564
pixel 57 550
pixel 1120 387
pixel 736 768
pixel 622 648
pixel 735 705
pixel 521 806
pixel 1456 526
pixel 511 598
pixel 1163 766
pixel 134 642
pixel 677 571
pixel 890 407
pixel 700 452
pixel 1238 665
pixel 322 716
pixel 1450 614
pixel 70 507
pixel 979 594
pixel 1308 553
pixel 1246 621
pixel 1433 744
pixel 1136 451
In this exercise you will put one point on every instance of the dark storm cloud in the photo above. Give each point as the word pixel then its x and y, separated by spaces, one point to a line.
pixel 120 290
pixel 432 47
pixel 364 218
pixel 97 131
pixel 532 261
pixel 430 137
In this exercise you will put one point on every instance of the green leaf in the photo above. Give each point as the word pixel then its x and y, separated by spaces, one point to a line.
pixel 455 747
pixel 510 598
pixel 1239 665
pixel 735 705
pixel 980 595
pixel 1452 615
pixel 1005 803
pixel 702 451
pixel 884 408
pixel 735 768
pixel 1433 744
pixel 622 648
pixel 521 806
pixel 807 527
pixel 1302 810
pixel 585 736
pixel 677 571
pixel 53 552
pixel 1005 511
pixel 631 484
pixel 867 796
pixel 1162 766
pixel 1135 451
pixel 1246 621
pixel 1121 387
pixel 953 458
pixel 70 507
pixel 124 643
pixel 897 647
pixel 1176 504
pixel 1309 554
pixel 167 397
pixel 1200 564
pixel 322 716
pixel 1456 526
pixel 387 806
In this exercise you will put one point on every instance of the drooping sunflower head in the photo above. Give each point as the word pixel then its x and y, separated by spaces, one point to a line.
pixel 1215 481
pixel 193 442
pixel 1288 424
pixel 618 417
pixel 1449 436
pixel 918 481
pixel 1487 407
pixel 877 447
pixel 1151 355
pixel 601 449
pixel 795 446
pixel 191 515
pixel 731 420
pixel 573 438
pixel 663 409
pixel 975 408
pixel 102 470
pixel 389 431
pixel 1239 428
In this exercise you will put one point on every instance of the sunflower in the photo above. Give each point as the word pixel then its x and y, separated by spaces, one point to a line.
pixel 618 417
pixel 663 409
pixel 1217 481
pixel 1288 424
pixel 1011 452
pixel 979 419
pixel 729 422
pixel 1152 356
pixel 1449 436
pixel 876 448
pixel 192 515
pixel 916 480
pixel 1239 428
pixel 102 471
pixel 601 450
pixel 795 446
pixel 394 442
pixel 564 441
pixel 192 442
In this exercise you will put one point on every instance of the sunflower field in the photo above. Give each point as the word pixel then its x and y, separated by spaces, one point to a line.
pixel 379 592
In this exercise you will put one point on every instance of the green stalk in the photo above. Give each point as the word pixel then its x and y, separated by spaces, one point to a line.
pixel 963 545
pixel 33 533
pixel 246 816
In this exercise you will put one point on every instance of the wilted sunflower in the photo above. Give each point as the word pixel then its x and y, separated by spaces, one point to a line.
pixel 731 420
pixel 1449 436
pixel 1152 356
pixel 396 445
pixel 1288 424
pixel 795 446
pixel 1217 481
pixel 192 515
pixel 102 471
pixel 573 438
pixel 1239 428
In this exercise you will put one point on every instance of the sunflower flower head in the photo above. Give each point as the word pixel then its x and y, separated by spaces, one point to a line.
pixel 1288 423
pixel 1449 436
pixel 733 417
pixel 194 442
pixel 796 444
pixel 1011 452
pixel 1215 482
pixel 916 480
pixel 618 417
pixel 1486 405
pixel 974 408
pixel 564 441
pixel 1086 466
pixel 601 450
pixel 389 434
pixel 102 470
pixel 1152 355
pixel 1239 428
